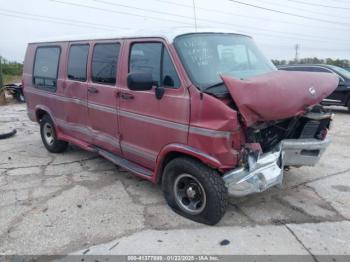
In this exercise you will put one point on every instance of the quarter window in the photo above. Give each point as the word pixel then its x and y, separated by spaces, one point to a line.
pixel 104 63
pixel 154 58
pixel 46 67
pixel 77 62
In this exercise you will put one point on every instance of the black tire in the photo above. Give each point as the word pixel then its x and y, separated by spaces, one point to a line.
pixel 348 105
pixel 51 142
pixel 19 96
pixel 215 191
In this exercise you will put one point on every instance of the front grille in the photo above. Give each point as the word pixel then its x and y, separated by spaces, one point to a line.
pixel 310 129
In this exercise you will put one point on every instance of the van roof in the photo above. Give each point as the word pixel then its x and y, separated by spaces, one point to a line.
pixel 168 34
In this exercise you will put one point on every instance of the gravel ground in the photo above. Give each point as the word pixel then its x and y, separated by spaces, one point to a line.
pixel 80 203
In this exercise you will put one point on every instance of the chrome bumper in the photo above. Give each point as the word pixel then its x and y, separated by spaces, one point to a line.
pixel 267 170
pixel 303 152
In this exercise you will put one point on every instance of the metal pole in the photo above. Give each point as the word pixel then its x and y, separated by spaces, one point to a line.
pixel 194 15
pixel 296 52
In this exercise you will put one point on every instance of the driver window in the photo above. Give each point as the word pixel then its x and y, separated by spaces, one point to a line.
pixel 154 58
pixel 169 75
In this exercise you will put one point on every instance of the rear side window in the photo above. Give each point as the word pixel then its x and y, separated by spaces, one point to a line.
pixel 77 61
pixel 104 63
pixel 154 58
pixel 46 67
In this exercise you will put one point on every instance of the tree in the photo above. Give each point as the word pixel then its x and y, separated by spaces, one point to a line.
pixel 315 60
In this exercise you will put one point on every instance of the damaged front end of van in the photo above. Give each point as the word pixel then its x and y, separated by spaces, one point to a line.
pixel 279 117
pixel 284 126
pixel 279 113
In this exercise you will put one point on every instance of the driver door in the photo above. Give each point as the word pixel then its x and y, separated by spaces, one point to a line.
pixel 147 124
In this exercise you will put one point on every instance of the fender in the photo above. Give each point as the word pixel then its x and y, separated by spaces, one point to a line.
pixel 49 112
pixel 185 150
pixel 44 108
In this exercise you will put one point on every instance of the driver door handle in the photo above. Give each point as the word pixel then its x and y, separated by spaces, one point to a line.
pixel 126 96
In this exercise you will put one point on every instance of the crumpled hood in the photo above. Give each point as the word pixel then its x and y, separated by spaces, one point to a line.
pixel 279 94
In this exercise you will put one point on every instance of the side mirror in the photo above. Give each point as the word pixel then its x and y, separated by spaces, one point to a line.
pixel 140 81
pixel 159 92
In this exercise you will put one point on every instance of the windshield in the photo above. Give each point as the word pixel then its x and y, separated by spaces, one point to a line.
pixel 341 71
pixel 208 55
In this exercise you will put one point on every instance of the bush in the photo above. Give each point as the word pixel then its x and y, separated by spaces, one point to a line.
pixel 314 60
pixel 10 72
pixel 11 68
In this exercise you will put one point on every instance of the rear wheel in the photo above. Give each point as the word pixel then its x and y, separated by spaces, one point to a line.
pixel 194 190
pixel 49 138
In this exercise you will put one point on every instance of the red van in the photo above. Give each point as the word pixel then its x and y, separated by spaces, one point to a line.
pixel 203 113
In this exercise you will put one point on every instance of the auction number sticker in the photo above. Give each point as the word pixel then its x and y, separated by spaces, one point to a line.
pixel 173 258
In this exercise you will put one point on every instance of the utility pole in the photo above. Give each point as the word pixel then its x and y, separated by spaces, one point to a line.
pixel 297 46
pixel 194 15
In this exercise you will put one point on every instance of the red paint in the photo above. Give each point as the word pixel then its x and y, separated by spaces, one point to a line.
pixel 146 130
pixel 279 95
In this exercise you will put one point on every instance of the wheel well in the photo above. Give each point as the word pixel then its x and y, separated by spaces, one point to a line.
pixel 40 114
pixel 170 156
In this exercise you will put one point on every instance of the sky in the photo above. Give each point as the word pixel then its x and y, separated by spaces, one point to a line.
pixel 319 27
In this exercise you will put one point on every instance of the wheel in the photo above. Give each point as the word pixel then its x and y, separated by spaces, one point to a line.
pixel 20 96
pixel 194 190
pixel 48 136
pixel 348 105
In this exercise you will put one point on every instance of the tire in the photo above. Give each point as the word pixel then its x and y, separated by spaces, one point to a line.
pixel 194 190
pixel 20 96
pixel 348 105
pixel 48 136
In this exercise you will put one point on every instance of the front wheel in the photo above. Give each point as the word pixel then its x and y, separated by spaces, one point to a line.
pixel 194 190
pixel 49 138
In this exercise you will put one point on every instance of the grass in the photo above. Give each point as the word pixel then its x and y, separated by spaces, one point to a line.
pixel 9 79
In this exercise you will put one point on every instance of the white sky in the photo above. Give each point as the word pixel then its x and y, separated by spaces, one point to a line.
pixel 24 21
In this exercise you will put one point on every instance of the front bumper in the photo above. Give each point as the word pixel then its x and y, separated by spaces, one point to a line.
pixel 303 152
pixel 267 170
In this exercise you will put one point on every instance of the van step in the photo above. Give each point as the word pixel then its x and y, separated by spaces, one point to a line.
pixel 126 164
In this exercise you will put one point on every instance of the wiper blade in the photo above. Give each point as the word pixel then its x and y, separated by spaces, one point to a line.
pixel 213 85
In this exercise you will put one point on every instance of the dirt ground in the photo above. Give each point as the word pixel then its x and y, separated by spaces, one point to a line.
pixel 78 202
